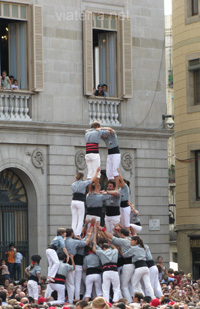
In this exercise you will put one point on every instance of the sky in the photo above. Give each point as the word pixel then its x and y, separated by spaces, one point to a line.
pixel 168 7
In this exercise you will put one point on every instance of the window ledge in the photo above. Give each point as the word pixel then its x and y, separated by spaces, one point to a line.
pixel 192 19
pixel 193 109
pixel 16 92
pixel 194 204
pixel 92 97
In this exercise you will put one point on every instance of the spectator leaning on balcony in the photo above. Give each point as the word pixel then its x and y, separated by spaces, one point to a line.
pixel 5 81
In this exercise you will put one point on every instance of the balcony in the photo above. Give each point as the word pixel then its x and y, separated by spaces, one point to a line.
pixel 15 105
pixel 104 110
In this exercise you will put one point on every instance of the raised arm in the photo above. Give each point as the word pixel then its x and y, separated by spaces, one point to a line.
pixel 94 239
pixel 106 233
pixel 96 174
pixel 121 178
pixel 132 208
pixel 88 238
pixel 113 192
pixel 111 131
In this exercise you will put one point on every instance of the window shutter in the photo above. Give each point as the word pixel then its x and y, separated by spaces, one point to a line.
pixel 38 78
pixel 88 53
pixel 127 58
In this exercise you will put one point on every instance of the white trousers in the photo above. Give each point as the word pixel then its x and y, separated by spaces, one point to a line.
pixel 126 275
pixel 93 162
pixel 125 216
pixel 69 284
pixel 78 278
pixel 53 262
pixel 119 270
pixel 112 164
pixel 136 227
pixel 153 271
pixel 60 288
pixel 82 292
pixel 142 273
pixel 48 291
pixel 110 222
pixel 32 289
pixel 111 277
pixel 78 213
pixel 90 217
pixel 89 281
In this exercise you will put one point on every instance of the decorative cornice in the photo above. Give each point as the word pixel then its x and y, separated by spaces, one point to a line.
pixel 52 128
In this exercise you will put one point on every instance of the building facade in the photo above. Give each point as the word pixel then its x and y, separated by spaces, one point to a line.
pixel 186 67
pixel 59 51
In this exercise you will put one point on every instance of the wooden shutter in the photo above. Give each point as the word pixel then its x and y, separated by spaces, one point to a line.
pixel 38 69
pixel 88 52
pixel 127 58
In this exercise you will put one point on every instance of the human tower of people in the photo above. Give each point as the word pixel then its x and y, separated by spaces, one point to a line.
pixel 98 256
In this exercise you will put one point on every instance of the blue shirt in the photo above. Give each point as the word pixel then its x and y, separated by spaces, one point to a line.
pixel 73 244
pixel 80 186
pixel 124 193
pixel 59 242
pixel 96 200
pixel 36 270
pixel 94 136
pixel 110 140
pixel 18 258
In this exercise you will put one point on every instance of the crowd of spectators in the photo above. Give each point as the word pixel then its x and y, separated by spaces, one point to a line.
pixel 179 290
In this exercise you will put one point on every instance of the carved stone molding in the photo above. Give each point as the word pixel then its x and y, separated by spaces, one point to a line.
pixel 37 159
pixel 127 162
pixel 80 160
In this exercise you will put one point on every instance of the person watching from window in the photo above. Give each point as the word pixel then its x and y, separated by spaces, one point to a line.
pixel 15 85
pixel 11 79
pixel 105 90
pixel 99 92
pixel 5 81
